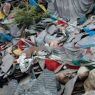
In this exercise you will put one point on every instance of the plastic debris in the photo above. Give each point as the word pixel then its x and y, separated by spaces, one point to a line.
pixel 49 44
